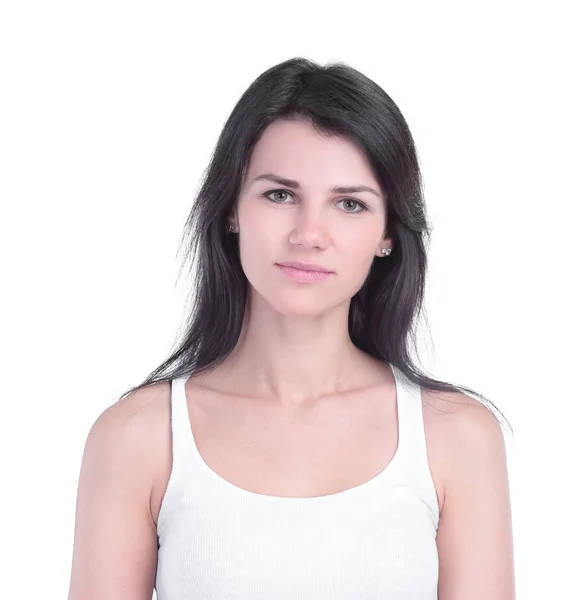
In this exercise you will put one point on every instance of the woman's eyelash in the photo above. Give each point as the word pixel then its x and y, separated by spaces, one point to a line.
pixel 358 202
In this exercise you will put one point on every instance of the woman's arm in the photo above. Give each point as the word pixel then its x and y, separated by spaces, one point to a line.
pixel 115 540
pixel 474 538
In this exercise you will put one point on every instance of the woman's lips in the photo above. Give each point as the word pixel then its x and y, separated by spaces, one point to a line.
pixel 304 276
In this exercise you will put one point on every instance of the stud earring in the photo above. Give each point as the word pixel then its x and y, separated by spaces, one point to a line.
pixel 230 228
pixel 386 251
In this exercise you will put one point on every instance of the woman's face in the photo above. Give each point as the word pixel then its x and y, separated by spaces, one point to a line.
pixel 307 222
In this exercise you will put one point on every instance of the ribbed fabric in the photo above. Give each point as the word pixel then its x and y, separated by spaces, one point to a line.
pixel 376 541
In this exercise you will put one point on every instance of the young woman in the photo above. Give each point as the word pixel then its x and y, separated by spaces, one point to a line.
pixel 289 447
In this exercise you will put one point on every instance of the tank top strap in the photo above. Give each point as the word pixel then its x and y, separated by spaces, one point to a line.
pixel 414 459
pixel 181 428
pixel 181 449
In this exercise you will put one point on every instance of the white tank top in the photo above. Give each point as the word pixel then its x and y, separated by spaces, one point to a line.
pixel 376 541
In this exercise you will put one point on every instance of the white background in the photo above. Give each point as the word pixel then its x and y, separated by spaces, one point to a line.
pixel 109 112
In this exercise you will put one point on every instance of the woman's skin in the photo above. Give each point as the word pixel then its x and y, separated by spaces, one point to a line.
pixel 295 347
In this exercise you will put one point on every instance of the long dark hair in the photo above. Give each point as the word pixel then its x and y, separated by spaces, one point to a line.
pixel 337 100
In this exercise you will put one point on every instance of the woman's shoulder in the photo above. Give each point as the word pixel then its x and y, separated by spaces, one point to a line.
pixel 139 414
pixel 456 425
pixel 130 420
pixel 139 423
pixel 112 506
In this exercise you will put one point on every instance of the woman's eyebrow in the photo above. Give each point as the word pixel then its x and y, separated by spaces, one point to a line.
pixel 348 189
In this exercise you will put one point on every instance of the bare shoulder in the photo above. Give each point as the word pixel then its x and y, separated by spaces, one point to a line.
pixel 456 425
pixel 474 538
pixel 140 402
pixel 148 410
pixel 451 414
pixel 113 501
pixel 141 422
pixel 138 416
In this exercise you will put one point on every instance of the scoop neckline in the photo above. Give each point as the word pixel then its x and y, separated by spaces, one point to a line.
pixel 242 493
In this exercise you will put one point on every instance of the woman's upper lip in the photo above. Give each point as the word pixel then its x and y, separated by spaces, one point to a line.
pixel 305 266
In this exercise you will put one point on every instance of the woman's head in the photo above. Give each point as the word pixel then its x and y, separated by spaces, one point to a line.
pixel 321 126
pixel 287 210
pixel 348 120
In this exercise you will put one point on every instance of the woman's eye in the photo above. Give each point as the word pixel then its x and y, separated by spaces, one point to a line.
pixel 357 203
pixel 361 206
pixel 268 194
